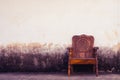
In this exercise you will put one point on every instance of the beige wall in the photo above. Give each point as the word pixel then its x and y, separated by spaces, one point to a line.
pixel 58 20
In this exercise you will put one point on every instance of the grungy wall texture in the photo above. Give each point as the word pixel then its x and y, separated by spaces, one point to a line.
pixel 57 21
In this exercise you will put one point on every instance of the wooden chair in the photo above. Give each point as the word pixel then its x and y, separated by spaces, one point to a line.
pixel 82 52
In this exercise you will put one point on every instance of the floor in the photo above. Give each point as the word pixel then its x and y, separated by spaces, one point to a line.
pixel 57 76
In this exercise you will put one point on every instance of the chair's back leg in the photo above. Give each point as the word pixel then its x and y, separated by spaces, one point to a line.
pixel 96 67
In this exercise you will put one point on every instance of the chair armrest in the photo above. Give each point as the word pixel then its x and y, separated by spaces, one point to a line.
pixel 70 51
pixel 96 48
pixel 95 51
pixel 69 48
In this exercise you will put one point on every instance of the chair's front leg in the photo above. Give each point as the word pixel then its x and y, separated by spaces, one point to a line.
pixel 69 69
pixel 69 65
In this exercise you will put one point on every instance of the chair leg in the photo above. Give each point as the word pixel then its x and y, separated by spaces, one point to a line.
pixel 69 67
pixel 97 68
pixel 94 68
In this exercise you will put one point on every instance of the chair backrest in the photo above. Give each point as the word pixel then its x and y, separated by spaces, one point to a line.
pixel 82 46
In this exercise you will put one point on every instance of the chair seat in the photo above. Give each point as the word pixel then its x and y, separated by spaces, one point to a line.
pixel 83 61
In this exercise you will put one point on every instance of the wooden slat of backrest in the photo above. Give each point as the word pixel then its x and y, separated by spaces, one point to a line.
pixel 82 46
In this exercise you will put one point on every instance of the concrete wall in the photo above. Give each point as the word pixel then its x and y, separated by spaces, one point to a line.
pixel 58 20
